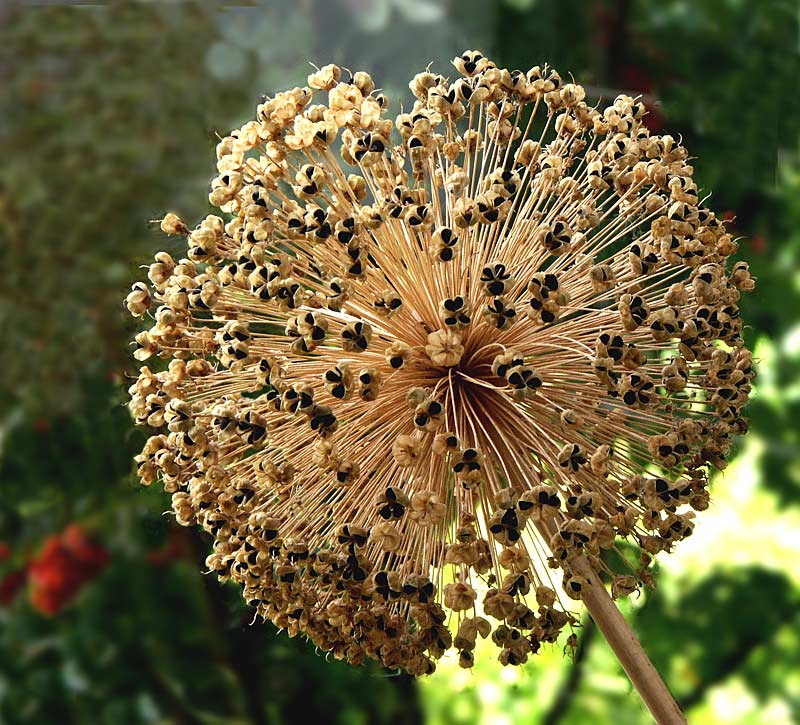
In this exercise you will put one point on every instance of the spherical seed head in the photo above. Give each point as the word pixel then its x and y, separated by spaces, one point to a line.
pixel 356 408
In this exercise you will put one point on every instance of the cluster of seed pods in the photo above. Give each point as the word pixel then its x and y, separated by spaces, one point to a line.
pixel 414 370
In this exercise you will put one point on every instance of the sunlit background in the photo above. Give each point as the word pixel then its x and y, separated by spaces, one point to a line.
pixel 109 118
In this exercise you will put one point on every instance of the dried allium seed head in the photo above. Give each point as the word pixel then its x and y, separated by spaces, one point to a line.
pixel 357 410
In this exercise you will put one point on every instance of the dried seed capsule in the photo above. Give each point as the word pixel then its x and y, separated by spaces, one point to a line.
pixel 499 313
pixel 454 313
pixel 496 279
pixel 398 354
pixel 356 336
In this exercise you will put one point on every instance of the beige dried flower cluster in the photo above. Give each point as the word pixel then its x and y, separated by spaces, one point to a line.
pixel 419 368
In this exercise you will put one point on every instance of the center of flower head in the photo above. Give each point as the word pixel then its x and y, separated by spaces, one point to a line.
pixel 445 348
pixel 458 361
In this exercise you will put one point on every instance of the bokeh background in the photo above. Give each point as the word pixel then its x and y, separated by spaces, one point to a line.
pixel 108 118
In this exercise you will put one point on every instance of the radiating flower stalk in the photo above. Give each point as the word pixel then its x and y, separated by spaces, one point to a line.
pixel 424 373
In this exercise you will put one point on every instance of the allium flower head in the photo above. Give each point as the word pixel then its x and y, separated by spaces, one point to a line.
pixel 420 368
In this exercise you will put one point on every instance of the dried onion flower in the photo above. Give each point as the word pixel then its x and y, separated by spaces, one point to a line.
pixel 421 369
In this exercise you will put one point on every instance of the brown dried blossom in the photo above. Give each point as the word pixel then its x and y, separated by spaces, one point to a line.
pixel 417 366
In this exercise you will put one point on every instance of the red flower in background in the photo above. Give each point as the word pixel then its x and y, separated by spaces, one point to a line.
pixel 65 564
pixel 11 583
pixel 175 548
pixel 758 243
pixel 91 555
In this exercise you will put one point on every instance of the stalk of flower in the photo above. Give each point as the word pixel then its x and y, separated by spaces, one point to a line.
pixel 423 373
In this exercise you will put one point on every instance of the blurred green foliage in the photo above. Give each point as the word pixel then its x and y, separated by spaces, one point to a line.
pixel 109 116
pixel 104 108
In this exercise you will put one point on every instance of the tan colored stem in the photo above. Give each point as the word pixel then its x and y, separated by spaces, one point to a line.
pixel 628 649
